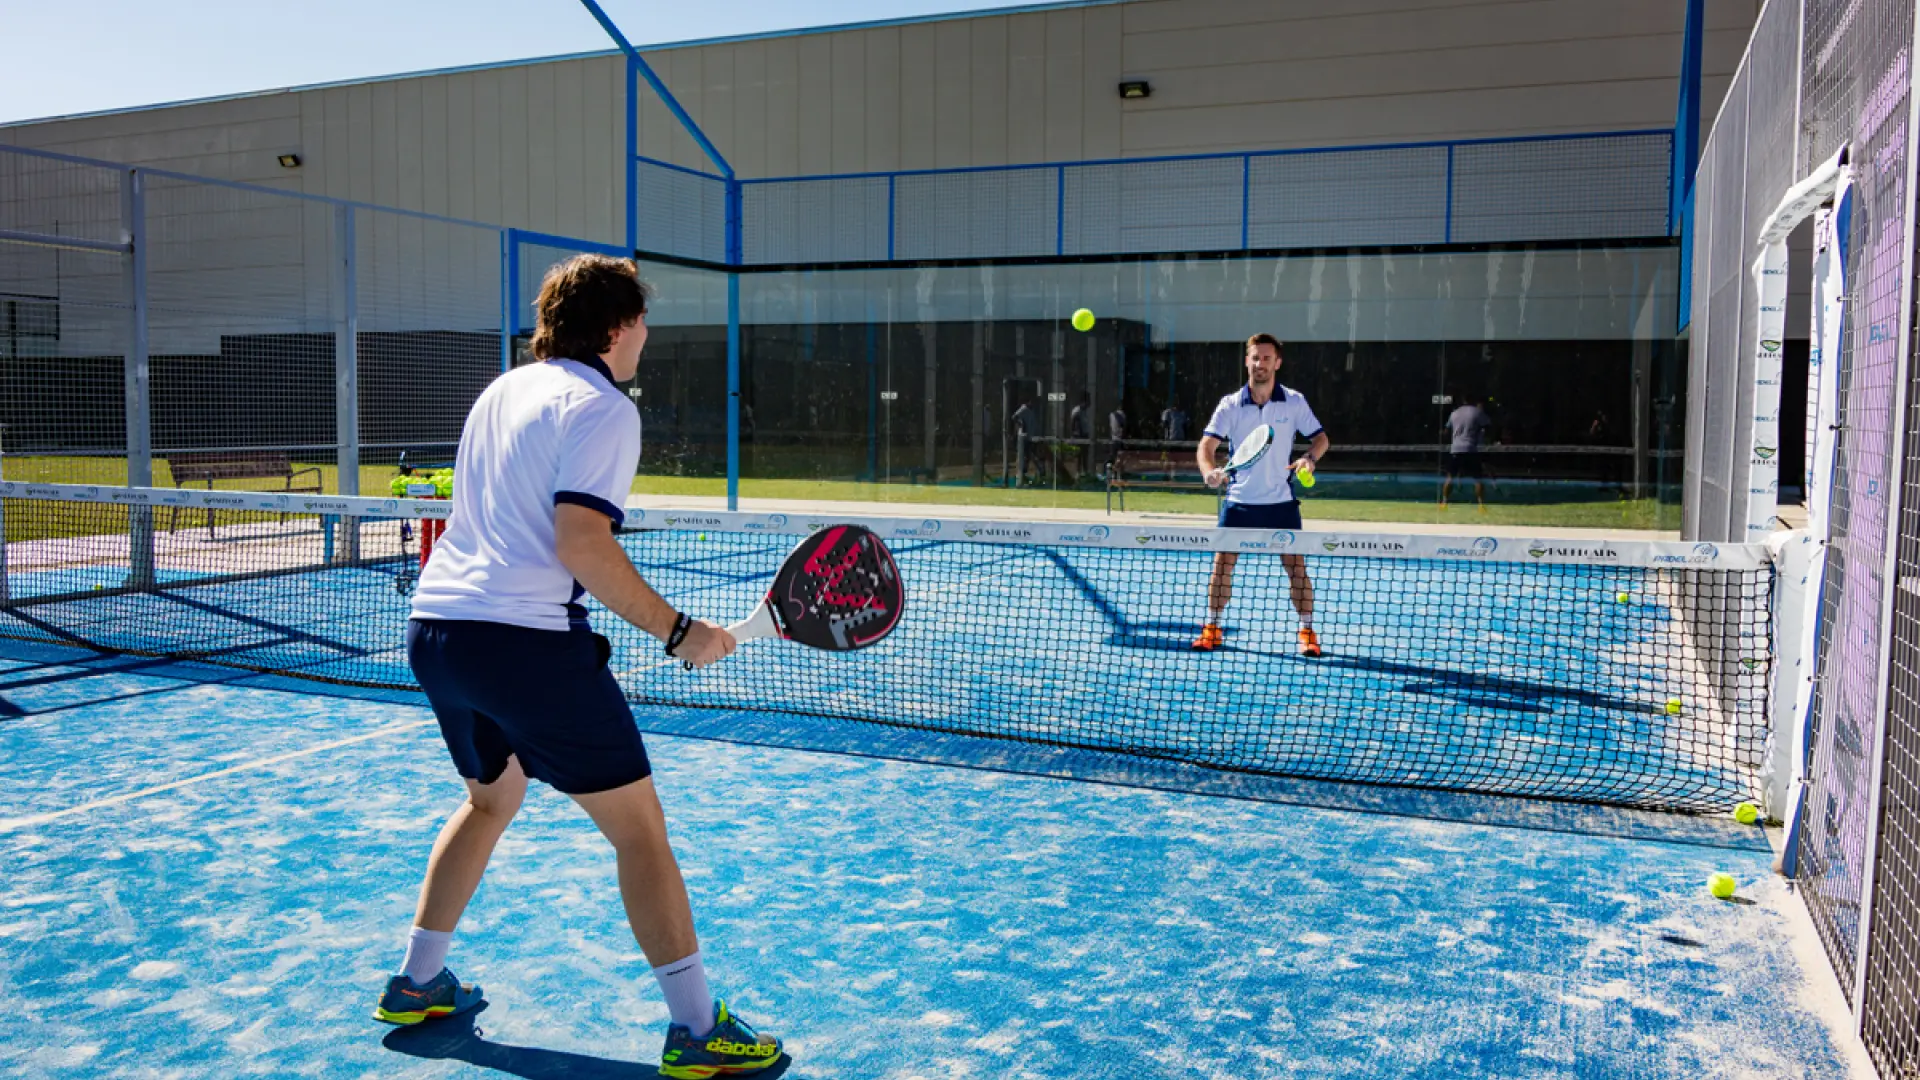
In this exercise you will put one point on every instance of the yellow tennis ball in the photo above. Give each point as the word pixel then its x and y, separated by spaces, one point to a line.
pixel 1083 320
pixel 1305 476
pixel 703 536
pixel 1624 597
pixel 1673 706
pixel 1746 813
pixel 1721 885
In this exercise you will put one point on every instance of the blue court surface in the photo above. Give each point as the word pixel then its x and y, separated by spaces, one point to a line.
pixel 206 873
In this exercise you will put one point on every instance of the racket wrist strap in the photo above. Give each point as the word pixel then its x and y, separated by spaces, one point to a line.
pixel 682 622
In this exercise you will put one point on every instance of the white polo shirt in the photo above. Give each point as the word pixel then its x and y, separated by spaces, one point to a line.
pixel 554 432
pixel 1237 416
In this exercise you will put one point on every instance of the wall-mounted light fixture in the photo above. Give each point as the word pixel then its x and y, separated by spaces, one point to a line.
pixel 289 161
pixel 1137 88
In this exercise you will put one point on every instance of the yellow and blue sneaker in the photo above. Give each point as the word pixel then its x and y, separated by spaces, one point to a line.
pixel 409 1002
pixel 729 1049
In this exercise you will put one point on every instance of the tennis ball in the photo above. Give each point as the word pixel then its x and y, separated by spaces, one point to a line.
pixel 703 536
pixel 1673 706
pixel 1746 813
pixel 1624 597
pixel 1083 320
pixel 1305 476
pixel 1721 885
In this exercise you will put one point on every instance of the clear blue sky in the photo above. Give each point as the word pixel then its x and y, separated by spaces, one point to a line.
pixel 74 56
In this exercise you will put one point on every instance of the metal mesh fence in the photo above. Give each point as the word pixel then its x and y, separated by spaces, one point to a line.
pixel 843 220
pixel 976 214
pixel 64 319
pixel 1868 44
pixel 1572 187
pixel 1721 253
pixel 1348 197
pixel 679 212
pixel 1557 189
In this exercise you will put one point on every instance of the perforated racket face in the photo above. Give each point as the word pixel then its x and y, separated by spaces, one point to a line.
pixel 1250 449
pixel 839 590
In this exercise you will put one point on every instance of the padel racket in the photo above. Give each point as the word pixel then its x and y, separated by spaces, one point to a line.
pixel 1251 449
pixel 839 590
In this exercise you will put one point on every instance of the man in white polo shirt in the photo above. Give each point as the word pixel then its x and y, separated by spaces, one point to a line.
pixel 1260 497
pixel 519 683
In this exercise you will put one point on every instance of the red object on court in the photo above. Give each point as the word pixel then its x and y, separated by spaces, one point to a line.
pixel 430 530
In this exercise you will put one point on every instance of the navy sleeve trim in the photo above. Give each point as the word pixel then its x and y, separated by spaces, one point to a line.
pixel 1314 434
pixel 592 502
pixel 1213 434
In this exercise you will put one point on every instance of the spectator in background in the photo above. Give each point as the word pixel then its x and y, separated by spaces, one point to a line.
pixel 1173 424
pixel 1022 424
pixel 1467 426
pixel 1080 430
pixel 1116 435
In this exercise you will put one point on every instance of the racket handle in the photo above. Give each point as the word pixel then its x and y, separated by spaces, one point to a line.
pixel 760 624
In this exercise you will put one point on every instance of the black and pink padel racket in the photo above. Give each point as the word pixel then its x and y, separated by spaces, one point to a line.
pixel 839 590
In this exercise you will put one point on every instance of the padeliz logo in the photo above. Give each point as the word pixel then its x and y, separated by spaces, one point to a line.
pixel 771 521
pixel 1481 548
pixel 1701 555
pixel 925 528
pixel 1093 535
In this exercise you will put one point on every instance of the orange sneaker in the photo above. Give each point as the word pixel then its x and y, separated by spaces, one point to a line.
pixel 1309 642
pixel 1209 639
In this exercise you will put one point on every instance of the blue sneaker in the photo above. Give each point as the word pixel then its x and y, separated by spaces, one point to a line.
pixel 408 1002
pixel 729 1049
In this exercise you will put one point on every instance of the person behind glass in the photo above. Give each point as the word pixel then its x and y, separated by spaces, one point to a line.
pixel 1261 495
pixel 1467 426
pixel 1023 424
pixel 1173 424
pixel 1080 430
pixel 1116 435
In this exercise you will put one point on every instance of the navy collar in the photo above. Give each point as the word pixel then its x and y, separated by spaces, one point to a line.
pixel 1279 394
pixel 596 364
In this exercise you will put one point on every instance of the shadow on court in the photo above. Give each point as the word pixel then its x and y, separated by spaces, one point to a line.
pixel 461 1039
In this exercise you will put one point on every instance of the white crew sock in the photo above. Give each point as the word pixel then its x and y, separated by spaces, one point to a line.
pixel 426 954
pixel 684 983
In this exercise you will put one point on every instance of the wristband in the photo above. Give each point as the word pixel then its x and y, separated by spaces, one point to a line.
pixel 681 624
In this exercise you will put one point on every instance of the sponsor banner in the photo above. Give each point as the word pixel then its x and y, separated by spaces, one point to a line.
pixel 1763 466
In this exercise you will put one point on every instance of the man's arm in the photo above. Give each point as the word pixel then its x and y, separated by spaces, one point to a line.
pixel 596 560
pixel 1316 449
pixel 1213 474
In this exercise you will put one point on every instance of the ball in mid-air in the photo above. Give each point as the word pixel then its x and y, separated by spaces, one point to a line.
pixel 1624 598
pixel 1746 813
pixel 1721 885
pixel 1083 320
pixel 1673 706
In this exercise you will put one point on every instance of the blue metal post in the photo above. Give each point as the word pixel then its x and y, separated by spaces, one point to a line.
pixel 1686 121
pixel 733 391
pixel 509 295
pixel 632 213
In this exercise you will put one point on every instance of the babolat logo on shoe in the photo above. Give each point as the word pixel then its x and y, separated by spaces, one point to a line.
pixel 1480 549
pixel 1382 547
pixel 738 1049
pixel 1555 551
pixel 1193 540
pixel 997 532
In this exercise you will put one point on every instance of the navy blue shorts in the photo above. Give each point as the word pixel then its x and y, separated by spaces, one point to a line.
pixel 545 696
pixel 1284 515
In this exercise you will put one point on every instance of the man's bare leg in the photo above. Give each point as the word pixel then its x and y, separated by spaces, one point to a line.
pixel 464 846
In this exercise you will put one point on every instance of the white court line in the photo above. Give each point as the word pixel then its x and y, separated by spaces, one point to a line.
pixel 10 824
